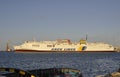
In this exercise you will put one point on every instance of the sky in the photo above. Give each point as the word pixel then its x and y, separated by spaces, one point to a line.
pixel 22 20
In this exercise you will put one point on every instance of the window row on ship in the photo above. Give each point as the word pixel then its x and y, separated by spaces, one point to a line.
pixel 65 49
pixel 46 45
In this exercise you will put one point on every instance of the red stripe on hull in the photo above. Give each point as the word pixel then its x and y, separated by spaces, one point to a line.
pixel 57 51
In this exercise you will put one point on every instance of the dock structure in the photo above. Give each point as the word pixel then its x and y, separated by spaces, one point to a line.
pixel 8 48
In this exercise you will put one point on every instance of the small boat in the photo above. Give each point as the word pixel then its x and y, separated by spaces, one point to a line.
pixel 50 72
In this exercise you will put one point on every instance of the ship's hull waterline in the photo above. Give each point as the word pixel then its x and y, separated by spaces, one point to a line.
pixel 62 51
pixel 63 46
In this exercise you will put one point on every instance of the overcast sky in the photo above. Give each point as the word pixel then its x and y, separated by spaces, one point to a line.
pixel 22 20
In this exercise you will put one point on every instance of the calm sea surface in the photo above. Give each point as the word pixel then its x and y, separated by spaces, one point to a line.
pixel 91 64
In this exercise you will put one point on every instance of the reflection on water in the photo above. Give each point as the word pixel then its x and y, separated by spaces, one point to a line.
pixel 91 64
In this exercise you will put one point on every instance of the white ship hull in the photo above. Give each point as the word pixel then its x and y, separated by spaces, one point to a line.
pixel 63 46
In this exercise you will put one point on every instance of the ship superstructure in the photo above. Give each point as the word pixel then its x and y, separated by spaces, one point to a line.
pixel 62 45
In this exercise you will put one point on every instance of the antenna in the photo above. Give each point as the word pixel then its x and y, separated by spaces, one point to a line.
pixel 86 37
pixel 34 39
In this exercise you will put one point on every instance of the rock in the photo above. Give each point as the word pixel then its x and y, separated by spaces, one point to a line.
pixel 114 74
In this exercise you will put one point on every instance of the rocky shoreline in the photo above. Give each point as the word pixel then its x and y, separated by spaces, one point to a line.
pixel 113 74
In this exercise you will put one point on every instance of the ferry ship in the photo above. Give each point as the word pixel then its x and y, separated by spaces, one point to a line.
pixel 63 45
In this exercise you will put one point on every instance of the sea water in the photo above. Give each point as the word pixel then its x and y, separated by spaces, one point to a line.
pixel 90 64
